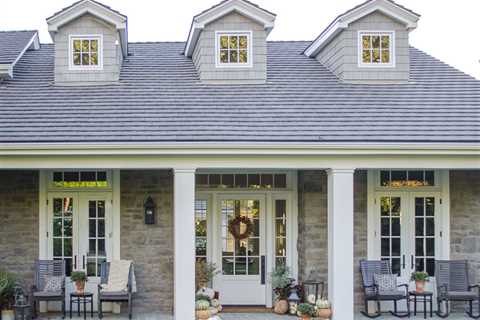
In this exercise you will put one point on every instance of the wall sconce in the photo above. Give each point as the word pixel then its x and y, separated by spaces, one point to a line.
pixel 149 207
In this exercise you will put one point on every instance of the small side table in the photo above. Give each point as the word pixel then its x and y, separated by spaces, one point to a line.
pixel 81 298
pixel 425 297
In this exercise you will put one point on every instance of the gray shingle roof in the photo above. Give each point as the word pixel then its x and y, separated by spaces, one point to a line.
pixel 160 99
pixel 12 44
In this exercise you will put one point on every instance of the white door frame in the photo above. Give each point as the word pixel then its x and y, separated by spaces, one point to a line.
pixel 290 194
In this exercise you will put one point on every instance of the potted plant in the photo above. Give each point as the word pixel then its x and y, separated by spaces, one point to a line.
pixel 204 273
pixel 79 277
pixel 7 284
pixel 420 278
pixel 305 311
pixel 281 282
pixel 324 310
pixel 202 308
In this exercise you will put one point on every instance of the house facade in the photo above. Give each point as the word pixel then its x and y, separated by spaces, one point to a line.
pixel 352 146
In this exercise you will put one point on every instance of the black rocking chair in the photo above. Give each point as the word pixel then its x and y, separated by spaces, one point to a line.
pixel 453 285
pixel 368 269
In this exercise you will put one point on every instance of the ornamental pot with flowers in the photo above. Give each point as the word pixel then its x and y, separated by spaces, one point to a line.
pixel 202 308
pixel 324 310
pixel 420 278
pixel 281 282
pixel 79 277
pixel 305 311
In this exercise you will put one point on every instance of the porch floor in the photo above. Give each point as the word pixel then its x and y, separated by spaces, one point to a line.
pixel 235 316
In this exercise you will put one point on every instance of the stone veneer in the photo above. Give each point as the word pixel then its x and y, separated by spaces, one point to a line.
pixel 19 223
pixel 465 218
pixel 149 246
pixel 313 233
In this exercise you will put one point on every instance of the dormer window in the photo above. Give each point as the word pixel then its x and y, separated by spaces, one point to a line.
pixel 233 49
pixel 86 52
pixel 375 49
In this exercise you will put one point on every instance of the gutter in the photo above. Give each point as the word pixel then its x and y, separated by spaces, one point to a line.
pixel 222 148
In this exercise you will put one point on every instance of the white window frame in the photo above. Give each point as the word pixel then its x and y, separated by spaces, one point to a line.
pixel 390 34
pixel 97 37
pixel 219 64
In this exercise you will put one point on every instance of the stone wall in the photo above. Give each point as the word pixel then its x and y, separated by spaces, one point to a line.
pixel 149 246
pixel 465 218
pixel 19 223
pixel 313 233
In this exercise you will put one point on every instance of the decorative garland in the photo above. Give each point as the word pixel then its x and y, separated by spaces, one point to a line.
pixel 234 227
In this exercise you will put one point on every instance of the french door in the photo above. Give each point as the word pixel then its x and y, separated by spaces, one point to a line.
pixel 409 232
pixel 80 232
pixel 242 261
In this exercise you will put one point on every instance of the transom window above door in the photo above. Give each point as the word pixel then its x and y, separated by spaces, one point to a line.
pixel 375 49
pixel 80 179
pixel 242 180
pixel 407 178
pixel 85 52
pixel 233 49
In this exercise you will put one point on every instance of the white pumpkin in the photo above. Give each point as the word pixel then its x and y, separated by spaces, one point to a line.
pixel 311 298
pixel 207 292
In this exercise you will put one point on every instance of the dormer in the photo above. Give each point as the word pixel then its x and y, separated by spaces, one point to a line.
pixel 228 43
pixel 90 43
pixel 367 44
pixel 13 45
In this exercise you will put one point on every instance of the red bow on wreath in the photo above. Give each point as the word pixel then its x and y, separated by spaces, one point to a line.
pixel 234 227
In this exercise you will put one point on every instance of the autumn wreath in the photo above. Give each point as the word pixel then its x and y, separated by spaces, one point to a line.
pixel 234 227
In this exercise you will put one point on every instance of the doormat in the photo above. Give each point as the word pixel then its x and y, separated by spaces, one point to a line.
pixel 246 309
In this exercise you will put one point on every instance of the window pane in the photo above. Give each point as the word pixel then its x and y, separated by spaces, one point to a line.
pixel 94 59
pixel 396 227
pixel 253 180
pixel 419 264
pixel 201 247
pixel 243 42
pixel 227 180
pixel 419 249
pixel 253 247
pixel 398 177
pixel 385 229
pixel 101 176
pixel 76 59
pixel 70 176
pixel 67 227
pixel 384 178
pixel 376 42
pixel 85 45
pixel 396 266
pixel 214 180
pixel 385 247
pixel 76 45
pixel 429 178
pixel 396 209
pixel 419 209
pixel 234 56
pixel 280 208
pixel 280 181
pixel 396 246
pixel 241 180
pixel 224 56
pixel 85 59
pixel 94 45
pixel 233 42
pixel 267 180
pixel 430 206
pixel 366 56
pixel 88 176
pixel 92 228
pixel 385 206
pixel 67 247
pixel 224 42
pixel 430 227
pixel 375 55
pixel 385 56
pixel 430 244
pixel 385 42
pixel 253 266
pixel 101 228
pixel 431 267
pixel 101 209
pixel 243 56
pixel 201 180
pixel 419 227
pixel 57 227
pixel 366 42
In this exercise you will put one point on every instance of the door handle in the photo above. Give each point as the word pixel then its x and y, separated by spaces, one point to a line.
pixel 412 265
pixel 263 268
pixel 403 262
pixel 75 263
pixel 83 262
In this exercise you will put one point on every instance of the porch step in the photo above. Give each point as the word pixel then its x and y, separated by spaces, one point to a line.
pixel 246 309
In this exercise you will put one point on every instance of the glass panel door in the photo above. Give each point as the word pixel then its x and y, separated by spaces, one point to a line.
pixel 424 252
pixel 390 234
pixel 63 225
pixel 241 250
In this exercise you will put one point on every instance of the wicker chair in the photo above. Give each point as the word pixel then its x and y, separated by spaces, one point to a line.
pixel 368 269
pixel 121 296
pixel 453 285
pixel 43 269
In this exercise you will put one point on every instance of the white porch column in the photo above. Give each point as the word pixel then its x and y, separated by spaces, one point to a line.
pixel 184 243
pixel 340 243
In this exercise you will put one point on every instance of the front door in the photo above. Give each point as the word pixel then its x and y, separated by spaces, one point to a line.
pixel 409 233
pixel 242 260
pixel 80 228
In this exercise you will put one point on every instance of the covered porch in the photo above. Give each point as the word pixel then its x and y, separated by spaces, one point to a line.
pixel 331 219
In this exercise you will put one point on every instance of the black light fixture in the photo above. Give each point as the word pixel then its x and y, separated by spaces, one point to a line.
pixel 149 206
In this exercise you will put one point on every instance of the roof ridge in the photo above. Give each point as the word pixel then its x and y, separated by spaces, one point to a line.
pixel 12 31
